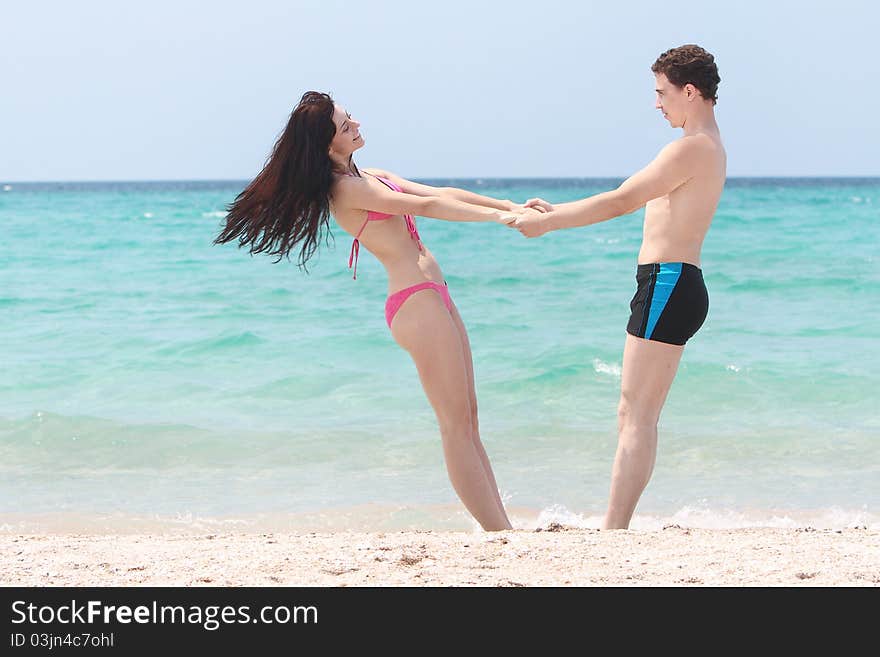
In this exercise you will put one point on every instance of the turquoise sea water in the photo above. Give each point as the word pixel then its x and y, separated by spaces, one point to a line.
pixel 150 379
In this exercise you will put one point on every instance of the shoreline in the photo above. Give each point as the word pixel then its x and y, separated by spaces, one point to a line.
pixel 388 518
pixel 552 556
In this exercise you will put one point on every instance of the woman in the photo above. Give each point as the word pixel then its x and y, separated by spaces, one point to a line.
pixel 311 174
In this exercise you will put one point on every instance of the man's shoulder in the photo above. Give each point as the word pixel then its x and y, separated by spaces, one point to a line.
pixel 692 149
pixel 699 143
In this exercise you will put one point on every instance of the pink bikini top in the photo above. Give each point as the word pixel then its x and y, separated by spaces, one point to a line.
pixel 379 216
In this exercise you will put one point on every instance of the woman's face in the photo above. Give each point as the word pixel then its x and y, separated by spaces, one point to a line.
pixel 348 134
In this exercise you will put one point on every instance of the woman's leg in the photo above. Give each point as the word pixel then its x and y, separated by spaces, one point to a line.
pixel 424 327
pixel 475 422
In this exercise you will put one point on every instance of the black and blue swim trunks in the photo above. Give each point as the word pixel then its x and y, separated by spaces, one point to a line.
pixel 670 303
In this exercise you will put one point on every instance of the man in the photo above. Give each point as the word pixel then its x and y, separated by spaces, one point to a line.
pixel 680 190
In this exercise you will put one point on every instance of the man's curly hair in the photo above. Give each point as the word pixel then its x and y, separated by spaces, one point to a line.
pixel 690 64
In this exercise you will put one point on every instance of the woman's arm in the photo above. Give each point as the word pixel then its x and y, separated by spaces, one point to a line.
pixel 358 194
pixel 418 189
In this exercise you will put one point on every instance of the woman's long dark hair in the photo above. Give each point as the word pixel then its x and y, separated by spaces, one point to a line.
pixel 288 203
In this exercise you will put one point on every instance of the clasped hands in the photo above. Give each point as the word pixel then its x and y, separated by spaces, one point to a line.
pixel 529 218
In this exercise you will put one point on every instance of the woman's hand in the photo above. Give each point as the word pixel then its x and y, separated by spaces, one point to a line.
pixel 509 218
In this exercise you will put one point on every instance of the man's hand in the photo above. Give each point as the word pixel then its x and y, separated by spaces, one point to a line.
pixel 532 223
pixel 519 207
pixel 539 204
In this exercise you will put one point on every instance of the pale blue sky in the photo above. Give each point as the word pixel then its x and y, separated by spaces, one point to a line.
pixel 96 90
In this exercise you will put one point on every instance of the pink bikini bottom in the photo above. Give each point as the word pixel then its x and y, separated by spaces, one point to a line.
pixel 396 300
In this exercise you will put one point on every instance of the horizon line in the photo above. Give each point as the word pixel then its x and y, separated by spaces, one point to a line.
pixel 604 177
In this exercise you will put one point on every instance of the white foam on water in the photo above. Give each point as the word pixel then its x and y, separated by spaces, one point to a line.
pixel 602 367
pixel 384 518
pixel 558 515
pixel 706 518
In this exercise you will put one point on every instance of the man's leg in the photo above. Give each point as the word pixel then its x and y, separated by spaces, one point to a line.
pixel 648 370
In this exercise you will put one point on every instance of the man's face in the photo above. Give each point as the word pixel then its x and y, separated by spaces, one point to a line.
pixel 671 100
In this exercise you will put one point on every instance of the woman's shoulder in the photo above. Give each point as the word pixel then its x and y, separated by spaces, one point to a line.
pixel 343 182
pixel 349 192
pixel 382 173
pixel 350 186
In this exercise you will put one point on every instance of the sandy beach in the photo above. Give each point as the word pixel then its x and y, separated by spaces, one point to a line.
pixel 552 556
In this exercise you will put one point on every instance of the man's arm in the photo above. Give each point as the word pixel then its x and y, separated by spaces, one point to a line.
pixel 418 189
pixel 673 166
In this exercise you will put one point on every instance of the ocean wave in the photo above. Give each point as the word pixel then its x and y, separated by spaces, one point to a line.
pixel 376 517
pixel 601 367
pixel 778 284
pixel 229 342
pixel 707 518
pixel 96 447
